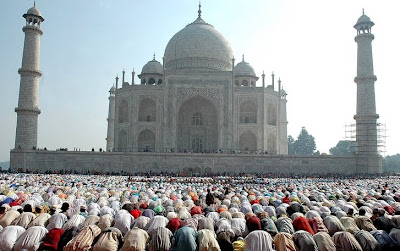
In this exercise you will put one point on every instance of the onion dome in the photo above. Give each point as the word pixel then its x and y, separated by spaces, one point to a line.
pixel 244 68
pixel 153 67
pixel 198 46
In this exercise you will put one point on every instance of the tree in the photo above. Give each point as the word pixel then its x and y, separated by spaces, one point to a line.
pixel 343 147
pixel 391 164
pixel 291 145
pixel 304 145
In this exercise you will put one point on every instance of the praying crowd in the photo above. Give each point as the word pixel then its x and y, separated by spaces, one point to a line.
pixel 99 212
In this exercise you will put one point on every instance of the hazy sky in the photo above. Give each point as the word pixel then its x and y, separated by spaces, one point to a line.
pixel 309 44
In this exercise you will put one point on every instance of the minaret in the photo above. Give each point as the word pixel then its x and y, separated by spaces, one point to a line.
pixel 366 117
pixel 110 120
pixel 28 101
pixel 368 160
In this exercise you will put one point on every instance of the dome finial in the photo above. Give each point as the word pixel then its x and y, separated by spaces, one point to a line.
pixel 363 11
pixel 154 56
pixel 34 3
pixel 243 58
pixel 199 11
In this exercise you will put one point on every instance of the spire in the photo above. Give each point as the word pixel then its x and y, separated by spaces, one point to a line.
pixel 199 11
pixel 273 80
pixel 133 76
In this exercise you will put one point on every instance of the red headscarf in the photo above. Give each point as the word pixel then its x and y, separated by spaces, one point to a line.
pixel 301 223
pixel 52 238
pixel 174 224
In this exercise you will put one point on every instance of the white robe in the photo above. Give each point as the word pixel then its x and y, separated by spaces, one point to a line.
pixel 31 238
pixel 9 236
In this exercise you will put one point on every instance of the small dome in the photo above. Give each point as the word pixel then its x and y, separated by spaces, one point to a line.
pixel 283 92
pixel 34 11
pixel 112 89
pixel 244 68
pixel 363 22
pixel 363 19
pixel 152 67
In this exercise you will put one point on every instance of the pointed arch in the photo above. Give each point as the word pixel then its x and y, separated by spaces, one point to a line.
pixel 122 141
pixel 248 141
pixel 123 112
pixel 271 114
pixel 147 110
pixel 197 118
pixel 271 143
pixel 146 141
pixel 248 112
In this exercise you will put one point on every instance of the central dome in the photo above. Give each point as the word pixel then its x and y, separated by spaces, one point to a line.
pixel 198 46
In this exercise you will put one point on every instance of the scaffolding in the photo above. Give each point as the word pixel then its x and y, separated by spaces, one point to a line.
pixel 381 135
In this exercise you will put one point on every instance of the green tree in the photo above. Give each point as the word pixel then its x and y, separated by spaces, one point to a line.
pixel 291 145
pixel 343 147
pixel 304 145
pixel 391 164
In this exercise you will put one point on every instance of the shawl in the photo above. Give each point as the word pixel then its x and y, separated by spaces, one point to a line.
pixel 109 240
pixel 317 225
pixel 174 224
pixel 52 238
pixel 284 224
pixel 207 241
pixel 333 224
pixel 324 242
pixel 185 239
pixel 160 239
pixel 135 240
pixel 365 223
pixel 84 239
pixel 304 241
pixel 206 223
pixel 267 224
pixel 349 224
pixel 385 241
pixel 258 240
pixel 253 223
pixel 284 242
pixel 301 223
pixel 367 241
pixel 345 241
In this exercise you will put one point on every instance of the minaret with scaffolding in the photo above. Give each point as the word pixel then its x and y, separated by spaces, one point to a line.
pixel 366 116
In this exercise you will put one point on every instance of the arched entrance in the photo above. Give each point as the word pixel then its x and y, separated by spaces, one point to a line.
pixel 271 144
pixel 122 141
pixel 248 142
pixel 197 129
pixel 146 141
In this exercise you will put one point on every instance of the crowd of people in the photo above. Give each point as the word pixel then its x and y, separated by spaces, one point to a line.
pixel 103 212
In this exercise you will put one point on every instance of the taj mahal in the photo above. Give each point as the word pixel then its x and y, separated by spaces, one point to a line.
pixel 197 100
pixel 198 109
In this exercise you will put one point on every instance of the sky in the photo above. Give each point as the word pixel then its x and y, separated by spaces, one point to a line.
pixel 309 44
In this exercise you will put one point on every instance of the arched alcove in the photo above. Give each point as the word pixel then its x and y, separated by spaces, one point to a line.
pixel 271 143
pixel 271 114
pixel 147 110
pixel 248 112
pixel 146 141
pixel 248 141
pixel 123 112
pixel 122 141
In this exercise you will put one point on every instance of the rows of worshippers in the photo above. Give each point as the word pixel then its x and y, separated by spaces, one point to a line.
pixel 46 212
